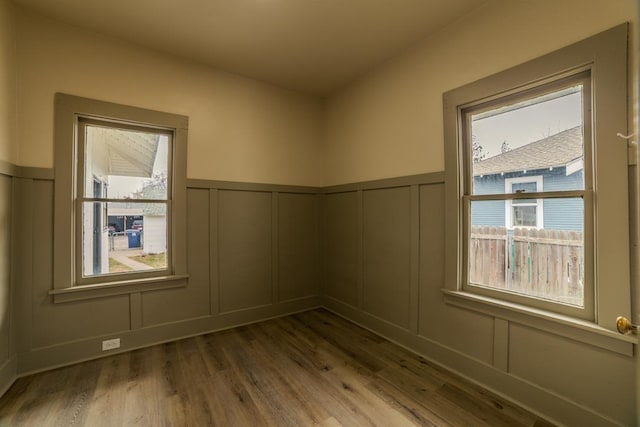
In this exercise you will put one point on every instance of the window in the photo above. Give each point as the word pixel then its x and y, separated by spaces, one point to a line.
pixel 119 197
pixel 123 181
pixel 525 138
pixel 524 212
pixel 532 168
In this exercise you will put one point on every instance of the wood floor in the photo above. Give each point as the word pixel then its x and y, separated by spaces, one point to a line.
pixel 312 368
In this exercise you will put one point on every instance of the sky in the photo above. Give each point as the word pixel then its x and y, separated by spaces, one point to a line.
pixel 524 125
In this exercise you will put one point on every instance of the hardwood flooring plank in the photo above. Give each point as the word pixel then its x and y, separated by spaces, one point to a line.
pixel 292 368
pixel 275 385
pixel 107 406
pixel 324 393
pixel 344 343
pixel 486 413
pixel 210 347
pixel 238 407
pixel 413 363
pixel 410 382
pixel 329 422
pixel 406 404
pixel 490 399
pixel 259 386
pixel 539 422
pixel 141 383
pixel 450 411
pixel 368 404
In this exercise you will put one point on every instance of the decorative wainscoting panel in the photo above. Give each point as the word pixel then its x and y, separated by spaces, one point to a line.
pixel 341 246
pixel 298 249
pixel 236 239
pixel 387 254
pixel 244 249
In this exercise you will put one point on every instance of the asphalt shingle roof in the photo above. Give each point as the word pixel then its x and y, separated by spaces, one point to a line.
pixel 154 209
pixel 556 150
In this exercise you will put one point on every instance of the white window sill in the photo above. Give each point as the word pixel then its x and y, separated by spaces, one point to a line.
pixel 105 289
pixel 553 323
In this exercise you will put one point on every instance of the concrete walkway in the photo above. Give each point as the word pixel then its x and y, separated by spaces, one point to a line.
pixel 123 258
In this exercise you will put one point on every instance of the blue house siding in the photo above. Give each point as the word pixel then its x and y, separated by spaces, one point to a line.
pixel 489 184
pixel 556 180
pixel 563 214
pixel 488 213
pixel 559 214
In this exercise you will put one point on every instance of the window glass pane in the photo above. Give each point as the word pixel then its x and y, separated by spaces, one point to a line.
pixel 546 263
pixel 125 164
pixel 540 136
pixel 524 216
pixel 123 237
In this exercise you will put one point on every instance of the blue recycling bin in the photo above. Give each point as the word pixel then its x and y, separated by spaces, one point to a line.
pixel 133 238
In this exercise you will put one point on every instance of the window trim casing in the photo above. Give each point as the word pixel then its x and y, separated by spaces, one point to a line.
pixel 605 55
pixel 68 110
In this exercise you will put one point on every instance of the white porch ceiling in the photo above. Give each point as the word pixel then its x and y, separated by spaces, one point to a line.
pixel 128 153
pixel 313 46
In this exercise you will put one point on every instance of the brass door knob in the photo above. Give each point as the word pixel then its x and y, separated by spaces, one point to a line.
pixel 625 327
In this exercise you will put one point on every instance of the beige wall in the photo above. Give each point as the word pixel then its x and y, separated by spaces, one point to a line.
pixel 7 82
pixel 389 123
pixel 7 128
pixel 240 129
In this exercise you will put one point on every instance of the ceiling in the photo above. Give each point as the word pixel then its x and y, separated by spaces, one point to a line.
pixel 312 46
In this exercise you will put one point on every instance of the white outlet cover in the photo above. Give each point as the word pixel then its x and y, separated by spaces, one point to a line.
pixel 111 344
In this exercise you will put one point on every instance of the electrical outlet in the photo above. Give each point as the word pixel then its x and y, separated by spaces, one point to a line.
pixel 111 344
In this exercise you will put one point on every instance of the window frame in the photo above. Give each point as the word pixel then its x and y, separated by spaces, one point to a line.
pixel 82 123
pixel 70 114
pixel 604 56
pixel 548 85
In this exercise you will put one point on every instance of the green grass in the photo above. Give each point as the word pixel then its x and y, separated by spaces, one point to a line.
pixel 117 267
pixel 152 260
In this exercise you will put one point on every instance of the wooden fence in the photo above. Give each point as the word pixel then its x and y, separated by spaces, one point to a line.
pixel 543 263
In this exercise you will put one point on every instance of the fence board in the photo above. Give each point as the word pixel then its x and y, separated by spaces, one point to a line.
pixel 542 263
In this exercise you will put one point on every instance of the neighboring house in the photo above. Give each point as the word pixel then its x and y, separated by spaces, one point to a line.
pixel 155 221
pixel 549 164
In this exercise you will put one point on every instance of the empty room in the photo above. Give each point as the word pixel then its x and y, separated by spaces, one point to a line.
pixel 319 212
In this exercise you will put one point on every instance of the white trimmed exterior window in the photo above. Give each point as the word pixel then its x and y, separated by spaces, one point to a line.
pixel 527 212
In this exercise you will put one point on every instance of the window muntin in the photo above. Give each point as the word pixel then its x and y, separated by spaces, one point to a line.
pixel 525 159
pixel 124 187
